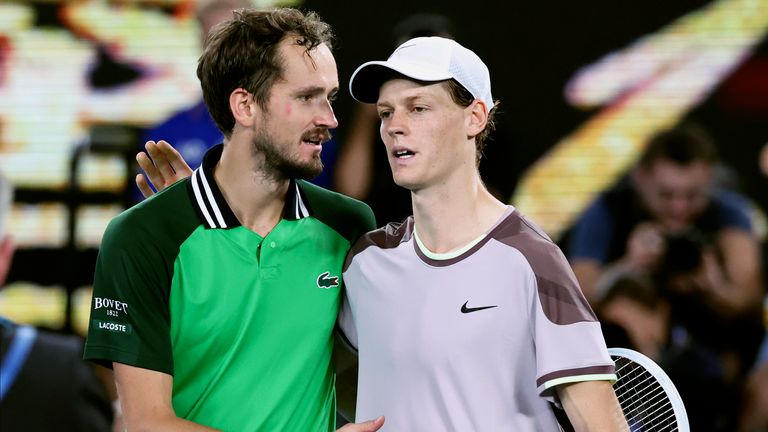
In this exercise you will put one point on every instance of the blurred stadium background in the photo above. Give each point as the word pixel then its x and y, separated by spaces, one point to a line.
pixel 581 85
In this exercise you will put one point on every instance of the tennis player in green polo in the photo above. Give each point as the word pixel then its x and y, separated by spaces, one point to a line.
pixel 215 300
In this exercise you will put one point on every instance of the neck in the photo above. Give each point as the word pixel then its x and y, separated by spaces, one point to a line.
pixel 450 215
pixel 256 199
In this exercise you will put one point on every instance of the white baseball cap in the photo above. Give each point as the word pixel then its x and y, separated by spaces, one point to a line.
pixel 425 59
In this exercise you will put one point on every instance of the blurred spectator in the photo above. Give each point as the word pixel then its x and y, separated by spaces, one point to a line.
pixel 634 306
pixel 362 169
pixel 44 383
pixel 192 130
pixel 754 414
pixel 693 245
pixel 634 314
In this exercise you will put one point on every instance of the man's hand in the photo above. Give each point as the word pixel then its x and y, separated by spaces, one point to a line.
pixel 645 247
pixel 369 426
pixel 165 167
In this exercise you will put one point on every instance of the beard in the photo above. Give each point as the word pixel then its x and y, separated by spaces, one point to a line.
pixel 279 164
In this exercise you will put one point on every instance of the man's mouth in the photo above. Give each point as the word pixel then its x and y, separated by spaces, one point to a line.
pixel 316 138
pixel 313 141
pixel 403 154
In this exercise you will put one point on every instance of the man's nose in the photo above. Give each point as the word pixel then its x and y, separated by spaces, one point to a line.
pixel 326 117
pixel 395 124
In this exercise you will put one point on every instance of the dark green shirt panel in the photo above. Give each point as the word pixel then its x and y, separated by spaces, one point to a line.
pixel 130 320
pixel 349 217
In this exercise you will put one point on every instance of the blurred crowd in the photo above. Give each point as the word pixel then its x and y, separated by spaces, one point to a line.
pixel 671 262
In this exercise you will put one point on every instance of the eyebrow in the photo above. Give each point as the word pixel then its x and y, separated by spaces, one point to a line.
pixel 408 100
pixel 314 90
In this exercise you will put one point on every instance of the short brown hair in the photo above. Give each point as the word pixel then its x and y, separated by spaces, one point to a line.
pixel 464 98
pixel 243 53
pixel 682 145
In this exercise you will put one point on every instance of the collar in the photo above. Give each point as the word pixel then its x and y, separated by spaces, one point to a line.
pixel 212 208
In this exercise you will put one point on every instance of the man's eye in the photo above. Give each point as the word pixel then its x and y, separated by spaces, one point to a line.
pixel 305 98
pixel 419 109
pixel 384 114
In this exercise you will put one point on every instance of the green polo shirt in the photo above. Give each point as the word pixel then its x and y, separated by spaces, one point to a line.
pixel 243 323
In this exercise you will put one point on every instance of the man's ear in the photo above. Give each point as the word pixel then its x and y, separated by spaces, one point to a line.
pixel 243 107
pixel 477 117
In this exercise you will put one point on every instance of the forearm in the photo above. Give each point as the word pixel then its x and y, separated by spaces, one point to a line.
pixel 729 299
pixel 592 406
pixel 163 424
pixel 146 401
pixel 734 285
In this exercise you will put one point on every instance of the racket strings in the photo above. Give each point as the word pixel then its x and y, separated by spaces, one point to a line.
pixel 643 400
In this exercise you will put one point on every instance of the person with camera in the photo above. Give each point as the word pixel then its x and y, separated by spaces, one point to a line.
pixel 669 221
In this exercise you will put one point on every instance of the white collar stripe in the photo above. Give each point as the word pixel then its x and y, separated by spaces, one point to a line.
pixel 211 200
pixel 303 212
pixel 199 198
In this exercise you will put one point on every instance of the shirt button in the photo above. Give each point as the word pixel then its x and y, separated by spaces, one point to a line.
pixel 272 244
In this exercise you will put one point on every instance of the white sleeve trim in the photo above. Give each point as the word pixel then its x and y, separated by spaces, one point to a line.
pixel 580 378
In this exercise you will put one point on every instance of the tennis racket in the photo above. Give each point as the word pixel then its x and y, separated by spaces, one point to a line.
pixel 648 398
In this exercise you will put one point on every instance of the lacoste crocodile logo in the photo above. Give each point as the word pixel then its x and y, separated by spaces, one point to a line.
pixel 326 281
pixel 465 309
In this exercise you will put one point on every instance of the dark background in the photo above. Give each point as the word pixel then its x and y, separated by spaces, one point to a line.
pixel 533 48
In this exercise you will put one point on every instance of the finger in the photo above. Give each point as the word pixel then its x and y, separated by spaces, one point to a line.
pixel 150 170
pixel 161 163
pixel 174 159
pixel 372 425
pixel 369 426
pixel 143 186
pixel 377 424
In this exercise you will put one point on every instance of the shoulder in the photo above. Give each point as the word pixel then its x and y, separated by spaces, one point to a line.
pixel 543 256
pixel 730 200
pixel 387 237
pixel 166 214
pixel 521 233
pixel 558 290
pixel 349 217
pixel 732 209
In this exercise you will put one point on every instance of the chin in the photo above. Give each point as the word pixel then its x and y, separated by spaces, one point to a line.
pixel 304 171
pixel 407 184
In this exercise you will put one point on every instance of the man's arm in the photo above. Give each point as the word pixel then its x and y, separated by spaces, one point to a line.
pixel 735 286
pixel 644 249
pixel 165 167
pixel 145 398
pixel 592 406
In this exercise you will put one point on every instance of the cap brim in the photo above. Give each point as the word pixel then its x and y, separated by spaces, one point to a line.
pixel 368 78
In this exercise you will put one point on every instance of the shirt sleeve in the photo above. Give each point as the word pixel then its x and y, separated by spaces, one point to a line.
pixel 733 211
pixel 129 319
pixel 567 335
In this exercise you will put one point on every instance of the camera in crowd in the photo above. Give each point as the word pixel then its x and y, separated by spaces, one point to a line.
pixel 682 252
